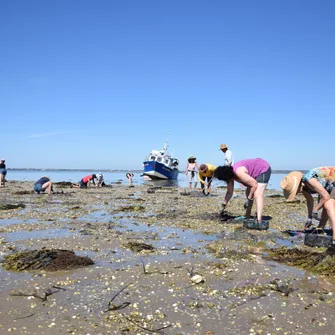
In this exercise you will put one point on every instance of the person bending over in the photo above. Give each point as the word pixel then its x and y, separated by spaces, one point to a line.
pixel 321 181
pixel 42 185
pixel 252 173
pixel 205 174
pixel 85 182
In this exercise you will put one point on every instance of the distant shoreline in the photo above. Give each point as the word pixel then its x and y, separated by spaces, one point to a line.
pixel 123 170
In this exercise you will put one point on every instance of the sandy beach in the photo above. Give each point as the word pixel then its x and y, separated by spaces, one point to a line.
pixel 164 263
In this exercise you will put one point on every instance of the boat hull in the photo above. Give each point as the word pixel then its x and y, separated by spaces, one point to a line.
pixel 155 170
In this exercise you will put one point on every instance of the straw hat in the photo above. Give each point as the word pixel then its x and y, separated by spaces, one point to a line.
pixel 2 160
pixel 223 146
pixel 192 157
pixel 203 168
pixel 290 184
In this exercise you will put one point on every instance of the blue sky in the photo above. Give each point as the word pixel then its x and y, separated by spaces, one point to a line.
pixel 98 84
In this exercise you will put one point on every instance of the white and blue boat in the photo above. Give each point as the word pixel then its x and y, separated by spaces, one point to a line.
pixel 160 165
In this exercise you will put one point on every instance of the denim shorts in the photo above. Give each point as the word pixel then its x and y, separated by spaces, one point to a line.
pixel 3 171
pixel 38 188
pixel 264 177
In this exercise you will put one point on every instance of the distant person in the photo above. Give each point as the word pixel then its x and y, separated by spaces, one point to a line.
pixel 252 173
pixel 206 174
pixel 321 181
pixel 42 185
pixel 85 182
pixel 228 155
pixel 100 180
pixel 3 172
pixel 130 176
pixel 191 171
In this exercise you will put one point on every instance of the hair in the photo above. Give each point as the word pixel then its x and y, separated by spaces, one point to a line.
pixel 190 160
pixel 224 173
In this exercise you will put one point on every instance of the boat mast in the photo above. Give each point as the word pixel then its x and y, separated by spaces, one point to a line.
pixel 166 144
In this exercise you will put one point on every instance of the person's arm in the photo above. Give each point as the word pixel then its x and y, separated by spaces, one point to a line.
pixel 318 188
pixel 230 191
pixel 310 203
pixel 247 180
pixel 200 178
pixel 186 168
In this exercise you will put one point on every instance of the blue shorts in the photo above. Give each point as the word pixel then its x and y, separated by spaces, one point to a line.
pixel 264 177
pixel 38 188
pixel 3 171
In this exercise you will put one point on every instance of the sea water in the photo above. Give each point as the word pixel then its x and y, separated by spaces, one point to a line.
pixel 75 176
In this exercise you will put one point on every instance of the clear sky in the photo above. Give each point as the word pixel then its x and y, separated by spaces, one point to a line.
pixel 98 84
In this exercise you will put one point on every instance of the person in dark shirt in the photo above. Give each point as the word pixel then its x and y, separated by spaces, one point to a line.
pixel 42 185
pixel 3 172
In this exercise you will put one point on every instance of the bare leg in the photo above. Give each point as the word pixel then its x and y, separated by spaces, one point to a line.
pixel 259 197
pixel 329 206
pixel 47 186
pixel 2 177
pixel 195 185
pixel 190 186
pixel 248 210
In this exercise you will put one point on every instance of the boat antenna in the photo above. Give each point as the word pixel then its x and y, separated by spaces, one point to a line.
pixel 166 144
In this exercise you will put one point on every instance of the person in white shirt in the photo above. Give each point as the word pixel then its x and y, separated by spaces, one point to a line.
pixel 228 155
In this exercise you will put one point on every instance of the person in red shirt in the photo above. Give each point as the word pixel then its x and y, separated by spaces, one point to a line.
pixel 85 182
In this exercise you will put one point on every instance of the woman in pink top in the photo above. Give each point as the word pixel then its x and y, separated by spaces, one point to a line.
pixel 191 171
pixel 252 173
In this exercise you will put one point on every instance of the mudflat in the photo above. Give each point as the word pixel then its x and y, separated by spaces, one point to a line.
pixel 164 263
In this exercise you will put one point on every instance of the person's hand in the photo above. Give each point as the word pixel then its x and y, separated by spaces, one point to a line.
pixel 308 223
pixel 315 216
pixel 248 203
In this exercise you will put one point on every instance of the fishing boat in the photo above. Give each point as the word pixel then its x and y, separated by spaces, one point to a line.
pixel 160 165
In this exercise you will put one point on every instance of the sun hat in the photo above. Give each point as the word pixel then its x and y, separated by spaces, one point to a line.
pixel 223 146
pixel 290 184
pixel 2 160
pixel 192 157
pixel 203 168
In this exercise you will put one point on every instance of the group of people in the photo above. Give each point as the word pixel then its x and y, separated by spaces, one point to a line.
pixel 255 174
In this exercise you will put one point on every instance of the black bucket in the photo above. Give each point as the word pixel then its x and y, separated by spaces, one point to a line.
pixel 257 225
pixel 318 240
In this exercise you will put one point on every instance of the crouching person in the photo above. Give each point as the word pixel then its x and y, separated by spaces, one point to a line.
pixel 42 185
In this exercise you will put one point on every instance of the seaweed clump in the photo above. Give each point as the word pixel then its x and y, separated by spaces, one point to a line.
pixel 322 263
pixel 11 206
pixel 49 260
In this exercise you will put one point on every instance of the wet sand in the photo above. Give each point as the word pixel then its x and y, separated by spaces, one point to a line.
pixel 202 276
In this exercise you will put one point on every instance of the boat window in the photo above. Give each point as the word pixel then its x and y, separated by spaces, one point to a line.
pixel 152 158
pixel 159 159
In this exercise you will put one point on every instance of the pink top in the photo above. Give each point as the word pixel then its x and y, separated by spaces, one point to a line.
pixel 191 166
pixel 254 166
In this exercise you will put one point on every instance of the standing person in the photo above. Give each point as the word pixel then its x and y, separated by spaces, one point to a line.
pixel 3 172
pixel 191 171
pixel 130 177
pixel 319 181
pixel 228 155
pixel 252 173
pixel 85 182
pixel 100 180
pixel 42 185
pixel 206 174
